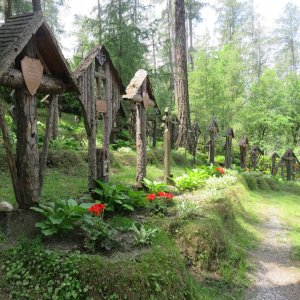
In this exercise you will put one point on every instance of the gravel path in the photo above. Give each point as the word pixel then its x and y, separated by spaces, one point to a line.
pixel 277 277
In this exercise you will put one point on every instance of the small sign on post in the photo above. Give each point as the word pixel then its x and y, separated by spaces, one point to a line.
pixel 101 106
pixel 32 70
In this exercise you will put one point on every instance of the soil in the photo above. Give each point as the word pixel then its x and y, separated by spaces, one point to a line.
pixel 277 276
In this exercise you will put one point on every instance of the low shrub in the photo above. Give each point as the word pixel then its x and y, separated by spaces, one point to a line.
pixel 250 181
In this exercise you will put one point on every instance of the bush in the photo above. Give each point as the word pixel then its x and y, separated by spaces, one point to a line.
pixel 262 183
pixel 251 181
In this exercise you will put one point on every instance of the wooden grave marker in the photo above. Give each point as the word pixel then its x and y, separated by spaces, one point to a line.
pixel 228 147
pixel 243 144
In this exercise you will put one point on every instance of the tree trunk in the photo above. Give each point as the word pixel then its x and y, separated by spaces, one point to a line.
pixel 7 9
pixel 10 156
pixel 27 150
pixel 243 157
pixel 36 5
pixel 181 86
pixel 27 147
pixel 100 21
pixel 48 133
pixel 140 144
pixel 191 48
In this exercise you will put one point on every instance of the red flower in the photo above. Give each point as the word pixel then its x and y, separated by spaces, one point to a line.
pixel 221 170
pixel 97 209
pixel 161 194
pixel 151 197
pixel 169 196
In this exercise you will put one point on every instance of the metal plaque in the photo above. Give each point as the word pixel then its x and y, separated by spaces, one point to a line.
pixel 32 70
pixel 101 106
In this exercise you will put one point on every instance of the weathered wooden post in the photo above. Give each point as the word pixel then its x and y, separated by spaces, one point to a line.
pixel 174 130
pixel 30 62
pixel 167 146
pixel 255 154
pixel 243 144
pixel 101 94
pixel 213 130
pixel 228 147
pixel 195 134
pixel 140 92
pixel 290 160
pixel 274 166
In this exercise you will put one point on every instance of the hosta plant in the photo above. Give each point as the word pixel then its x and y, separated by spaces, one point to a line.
pixel 59 216
pixel 143 236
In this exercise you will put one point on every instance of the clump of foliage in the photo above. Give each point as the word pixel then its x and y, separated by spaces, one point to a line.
pixel 155 186
pixel 35 273
pixel 98 234
pixel 160 202
pixel 196 178
pixel 143 236
pixel 118 197
pixel 63 143
pixel 187 209
pixel 60 216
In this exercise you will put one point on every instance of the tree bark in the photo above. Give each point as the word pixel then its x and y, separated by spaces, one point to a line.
pixel 7 9
pixel 181 86
pixel 27 147
pixel 48 133
pixel 27 150
pixel 140 144
pixel 10 156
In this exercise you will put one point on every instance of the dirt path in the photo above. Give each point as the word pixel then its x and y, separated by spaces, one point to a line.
pixel 277 277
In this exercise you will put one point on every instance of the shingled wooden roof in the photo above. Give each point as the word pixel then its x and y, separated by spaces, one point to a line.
pixel 90 58
pixel 136 83
pixel 15 35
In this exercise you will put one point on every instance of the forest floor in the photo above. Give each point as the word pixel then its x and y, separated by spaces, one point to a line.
pixel 277 271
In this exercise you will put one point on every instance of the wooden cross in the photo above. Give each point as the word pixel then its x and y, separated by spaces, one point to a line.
pixel 167 145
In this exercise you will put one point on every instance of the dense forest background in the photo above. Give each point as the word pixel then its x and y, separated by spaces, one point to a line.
pixel 249 80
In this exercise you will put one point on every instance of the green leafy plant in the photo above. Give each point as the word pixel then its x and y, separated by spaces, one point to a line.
pixel 60 216
pixel 31 272
pixel 160 202
pixel 118 197
pixel 155 186
pixel 62 143
pixel 120 144
pixel 98 234
pixel 187 209
pixel 143 236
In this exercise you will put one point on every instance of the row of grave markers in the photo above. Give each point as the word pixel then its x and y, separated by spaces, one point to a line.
pixel 288 160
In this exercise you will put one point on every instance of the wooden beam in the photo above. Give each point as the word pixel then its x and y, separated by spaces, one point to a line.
pixel 13 78
pixel 100 75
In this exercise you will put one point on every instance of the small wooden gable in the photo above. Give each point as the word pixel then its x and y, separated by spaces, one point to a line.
pixel 140 89
pixel 275 155
pixel 213 127
pixel 290 155
pixel 17 32
pixel 256 149
pixel 244 142
pixel 229 132
pixel 101 54
pixel 109 86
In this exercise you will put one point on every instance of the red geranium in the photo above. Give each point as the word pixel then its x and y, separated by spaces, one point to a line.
pixel 151 197
pixel 161 194
pixel 97 209
pixel 221 170
pixel 169 196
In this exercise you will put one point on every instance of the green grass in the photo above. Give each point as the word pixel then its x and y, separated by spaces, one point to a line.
pixel 288 204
